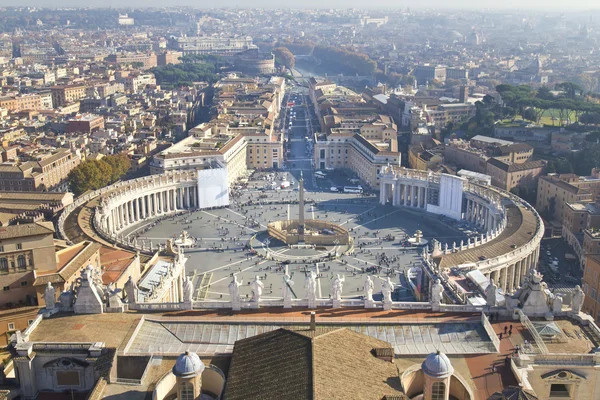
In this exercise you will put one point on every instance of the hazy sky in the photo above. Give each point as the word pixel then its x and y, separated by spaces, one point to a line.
pixel 457 4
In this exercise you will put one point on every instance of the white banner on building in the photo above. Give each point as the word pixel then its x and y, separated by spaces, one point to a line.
pixel 213 190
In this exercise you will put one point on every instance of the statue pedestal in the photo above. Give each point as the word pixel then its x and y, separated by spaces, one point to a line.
pixel 187 305
pixel 254 305
pixel 287 303
pixel 387 305
pixel 236 306
pixel 435 306
pixel 312 303
pixel 337 303
pixel 49 313
pixel 369 304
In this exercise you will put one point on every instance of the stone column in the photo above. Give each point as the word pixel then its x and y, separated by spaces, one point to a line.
pixel 382 198
pixel 131 213
pixel 469 211
pixel 413 195
pixel 503 279
pixel 188 198
pixel 121 217
pixel 180 287
pixel 406 194
pixel 521 272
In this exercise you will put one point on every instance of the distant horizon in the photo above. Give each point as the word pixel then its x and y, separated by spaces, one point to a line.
pixel 459 5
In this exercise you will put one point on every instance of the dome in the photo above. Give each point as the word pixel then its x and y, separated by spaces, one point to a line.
pixel 437 365
pixel 188 365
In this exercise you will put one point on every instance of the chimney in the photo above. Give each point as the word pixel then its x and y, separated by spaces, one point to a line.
pixel 313 322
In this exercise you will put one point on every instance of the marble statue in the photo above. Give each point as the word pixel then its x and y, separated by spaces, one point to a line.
pixel 490 293
pixel 50 297
pixel 336 287
pixel 577 300
pixel 387 288
pixel 437 291
pixel 188 290
pixel 131 290
pixel 256 287
pixel 234 292
pixel 310 286
pixel 557 304
pixel 368 287
pixel 286 290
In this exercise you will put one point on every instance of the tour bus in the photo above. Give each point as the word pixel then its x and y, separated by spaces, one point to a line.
pixel 353 189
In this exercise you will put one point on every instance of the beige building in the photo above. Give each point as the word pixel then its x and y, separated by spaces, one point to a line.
pixel 354 152
pixel 591 286
pixel 63 95
pixel 23 250
pixel 555 191
pixel 49 173
pixel 509 175
pixel 424 160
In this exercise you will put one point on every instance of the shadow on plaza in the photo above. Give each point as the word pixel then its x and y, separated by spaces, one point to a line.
pixel 389 217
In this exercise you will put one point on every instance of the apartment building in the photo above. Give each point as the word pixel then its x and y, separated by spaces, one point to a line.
pixel 354 152
pixel 85 123
pixel 48 173
pixel 135 83
pixel 29 102
pixel 147 60
pixel 443 114
pixel 555 191
pixel 507 175
pixel 591 286
pixel 424 160
pixel 23 249
pixel 63 95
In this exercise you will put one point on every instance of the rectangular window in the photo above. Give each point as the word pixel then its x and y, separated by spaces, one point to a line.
pixel 19 246
pixel 11 326
pixel 6 288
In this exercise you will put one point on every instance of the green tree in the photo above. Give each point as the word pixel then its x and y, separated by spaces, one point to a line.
pixel 586 159
pixel 283 56
pixel 95 174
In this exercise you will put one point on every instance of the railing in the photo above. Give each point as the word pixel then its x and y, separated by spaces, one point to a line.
pixel 33 325
pixel 490 331
pixel 461 308
pixel 62 346
pixel 534 333
pixel 566 359
pixel 156 306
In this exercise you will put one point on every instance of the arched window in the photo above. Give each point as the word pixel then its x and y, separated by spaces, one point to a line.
pixel 187 391
pixel 438 390
pixel 3 264
pixel 21 261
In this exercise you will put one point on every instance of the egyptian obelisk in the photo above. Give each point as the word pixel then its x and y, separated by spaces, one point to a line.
pixel 301 208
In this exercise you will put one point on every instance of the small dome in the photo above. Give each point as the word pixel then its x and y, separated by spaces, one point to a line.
pixel 437 365
pixel 188 365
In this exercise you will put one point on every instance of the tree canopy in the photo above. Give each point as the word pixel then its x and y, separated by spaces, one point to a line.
pixel 283 56
pixel 344 61
pixel 95 174
pixel 185 73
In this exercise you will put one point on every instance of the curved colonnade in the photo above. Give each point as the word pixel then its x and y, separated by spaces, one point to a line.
pixel 502 216
pixel 125 204
pixel 507 250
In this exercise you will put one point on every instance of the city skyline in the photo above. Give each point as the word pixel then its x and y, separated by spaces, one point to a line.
pixel 462 5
